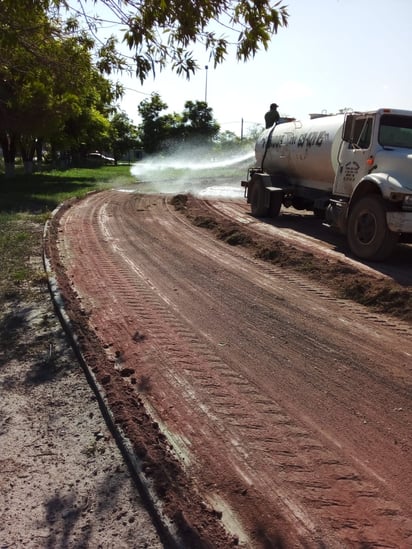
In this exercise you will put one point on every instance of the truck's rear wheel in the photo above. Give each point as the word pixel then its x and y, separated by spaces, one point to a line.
pixel 275 204
pixel 368 234
pixel 257 201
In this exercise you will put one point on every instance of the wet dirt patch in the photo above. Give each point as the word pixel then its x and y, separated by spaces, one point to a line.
pixel 382 296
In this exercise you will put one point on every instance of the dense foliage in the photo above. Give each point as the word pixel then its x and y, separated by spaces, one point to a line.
pixel 165 33
pixel 169 131
pixel 49 87
pixel 53 71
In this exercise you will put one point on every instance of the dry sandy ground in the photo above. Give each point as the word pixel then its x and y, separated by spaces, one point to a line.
pixel 63 480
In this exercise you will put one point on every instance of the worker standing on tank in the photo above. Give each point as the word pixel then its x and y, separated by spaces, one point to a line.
pixel 272 116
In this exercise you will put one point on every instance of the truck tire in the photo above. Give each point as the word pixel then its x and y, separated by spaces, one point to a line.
pixel 257 201
pixel 275 204
pixel 368 234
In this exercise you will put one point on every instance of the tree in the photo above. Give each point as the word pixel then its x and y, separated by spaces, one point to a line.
pixel 227 141
pixel 87 125
pixel 156 130
pixel 170 131
pixel 198 122
pixel 123 135
pixel 46 68
pixel 19 30
pixel 49 87
pixel 165 33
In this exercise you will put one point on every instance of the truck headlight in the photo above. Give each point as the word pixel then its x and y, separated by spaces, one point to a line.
pixel 407 202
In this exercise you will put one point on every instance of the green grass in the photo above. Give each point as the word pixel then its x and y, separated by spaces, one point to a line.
pixel 44 191
pixel 26 202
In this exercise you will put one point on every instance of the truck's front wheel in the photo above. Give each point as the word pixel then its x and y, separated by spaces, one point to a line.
pixel 257 201
pixel 368 234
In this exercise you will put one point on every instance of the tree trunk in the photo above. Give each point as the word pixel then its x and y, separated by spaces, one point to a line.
pixel 8 145
pixel 39 151
pixel 27 148
pixel 28 167
pixel 9 170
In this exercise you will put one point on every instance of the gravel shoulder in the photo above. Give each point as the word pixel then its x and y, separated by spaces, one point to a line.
pixel 64 482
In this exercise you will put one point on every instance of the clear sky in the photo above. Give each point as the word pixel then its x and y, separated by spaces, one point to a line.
pixel 333 54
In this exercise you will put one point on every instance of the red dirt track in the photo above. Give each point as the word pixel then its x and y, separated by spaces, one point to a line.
pixel 268 412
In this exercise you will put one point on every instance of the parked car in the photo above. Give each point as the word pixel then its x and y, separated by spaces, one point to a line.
pixel 99 159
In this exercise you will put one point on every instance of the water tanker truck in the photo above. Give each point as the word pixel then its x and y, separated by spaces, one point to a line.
pixel 354 170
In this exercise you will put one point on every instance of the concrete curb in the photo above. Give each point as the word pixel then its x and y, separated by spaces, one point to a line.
pixel 167 530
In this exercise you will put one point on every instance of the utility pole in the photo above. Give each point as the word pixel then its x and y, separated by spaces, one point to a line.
pixel 206 67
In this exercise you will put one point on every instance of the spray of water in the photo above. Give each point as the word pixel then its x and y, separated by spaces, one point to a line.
pixel 177 162
pixel 193 170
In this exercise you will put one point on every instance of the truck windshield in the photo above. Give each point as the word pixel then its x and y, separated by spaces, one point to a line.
pixel 395 131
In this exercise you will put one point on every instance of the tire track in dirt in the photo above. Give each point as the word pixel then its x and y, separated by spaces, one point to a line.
pixel 355 318
pixel 205 403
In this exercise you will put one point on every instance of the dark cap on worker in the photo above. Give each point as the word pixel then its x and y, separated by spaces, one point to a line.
pixel 274 106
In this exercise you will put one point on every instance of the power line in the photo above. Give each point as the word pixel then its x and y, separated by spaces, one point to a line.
pixel 137 91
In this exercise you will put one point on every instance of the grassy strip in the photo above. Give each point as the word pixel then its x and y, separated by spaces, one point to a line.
pixel 26 202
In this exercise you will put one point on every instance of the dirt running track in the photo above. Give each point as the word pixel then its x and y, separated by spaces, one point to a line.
pixel 287 413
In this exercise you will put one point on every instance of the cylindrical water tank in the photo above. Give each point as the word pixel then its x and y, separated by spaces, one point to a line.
pixel 306 152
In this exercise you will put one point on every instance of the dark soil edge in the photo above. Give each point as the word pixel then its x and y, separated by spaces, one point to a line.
pixel 381 296
pixel 183 519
